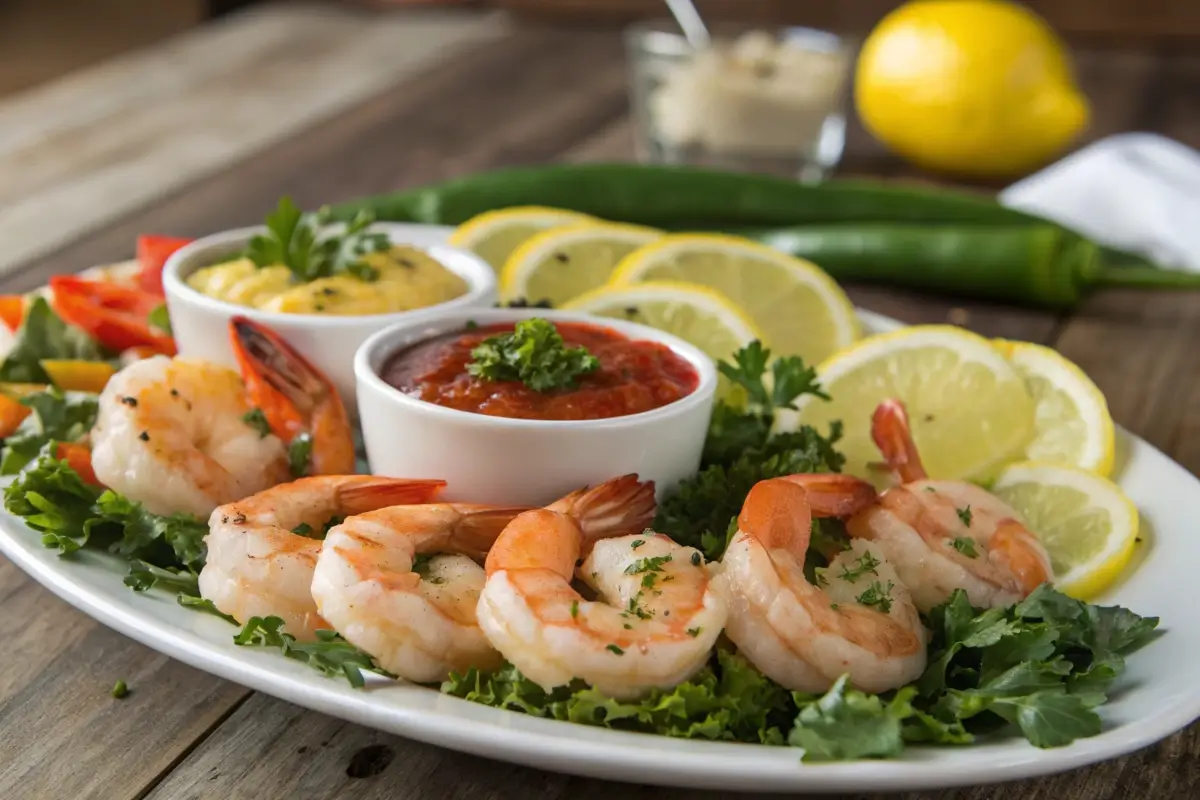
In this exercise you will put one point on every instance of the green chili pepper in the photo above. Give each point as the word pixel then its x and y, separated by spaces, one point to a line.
pixel 934 239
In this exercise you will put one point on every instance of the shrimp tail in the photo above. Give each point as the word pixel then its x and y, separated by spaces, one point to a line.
pixel 369 494
pixel 893 437
pixel 776 513
pixel 1016 547
pixel 833 495
pixel 478 530
pixel 618 507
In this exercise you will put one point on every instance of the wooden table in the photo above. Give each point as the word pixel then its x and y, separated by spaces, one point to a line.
pixel 86 180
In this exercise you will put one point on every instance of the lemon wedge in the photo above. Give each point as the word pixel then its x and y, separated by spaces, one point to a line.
pixel 696 314
pixel 567 261
pixel 494 235
pixel 1072 425
pixel 968 408
pixel 1086 522
pixel 800 309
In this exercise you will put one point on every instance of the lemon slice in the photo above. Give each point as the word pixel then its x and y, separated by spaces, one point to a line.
pixel 1086 522
pixel 696 314
pixel 1071 422
pixel 564 262
pixel 968 408
pixel 801 310
pixel 494 235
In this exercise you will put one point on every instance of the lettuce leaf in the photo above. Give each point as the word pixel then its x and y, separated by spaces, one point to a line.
pixel 56 416
pixel 43 335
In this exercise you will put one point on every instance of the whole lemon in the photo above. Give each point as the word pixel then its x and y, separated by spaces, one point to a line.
pixel 974 87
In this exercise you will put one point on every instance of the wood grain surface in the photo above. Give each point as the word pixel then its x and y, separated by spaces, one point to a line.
pixel 533 95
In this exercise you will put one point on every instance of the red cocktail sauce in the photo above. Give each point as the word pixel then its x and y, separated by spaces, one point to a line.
pixel 634 376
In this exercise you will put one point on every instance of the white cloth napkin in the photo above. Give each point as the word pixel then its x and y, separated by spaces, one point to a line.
pixel 1136 191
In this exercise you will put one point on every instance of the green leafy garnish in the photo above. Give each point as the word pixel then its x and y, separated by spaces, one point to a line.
pixel 304 244
pixel 160 318
pixel 534 354
pixel 964 514
pixel 43 335
pixel 846 724
pixel 300 455
pixel 330 655
pixel 866 563
pixel 56 417
pixel 257 420
pixel 70 513
pixel 965 545
pixel 878 595
pixel 729 700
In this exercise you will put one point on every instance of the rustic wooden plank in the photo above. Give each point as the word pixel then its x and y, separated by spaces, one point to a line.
pixel 94 146
pixel 409 135
pixel 65 735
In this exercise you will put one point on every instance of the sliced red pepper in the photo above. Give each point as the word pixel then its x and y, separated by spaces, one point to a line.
pixel 152 254
pixel 115 316
pixel 12 310
pixel 78 458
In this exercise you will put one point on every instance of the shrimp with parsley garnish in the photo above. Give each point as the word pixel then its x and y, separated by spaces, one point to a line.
pixel 946 535
pixel 262 550
pixel 654 616
pixel 857 618
pixel 403 584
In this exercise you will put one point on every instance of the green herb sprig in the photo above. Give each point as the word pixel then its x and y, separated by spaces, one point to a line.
pixel 534 354
pixel 310 249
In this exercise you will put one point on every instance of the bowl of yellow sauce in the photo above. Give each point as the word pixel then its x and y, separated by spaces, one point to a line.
pixel 326 317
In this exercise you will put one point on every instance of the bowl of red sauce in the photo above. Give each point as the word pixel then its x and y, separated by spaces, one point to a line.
pixel 521 406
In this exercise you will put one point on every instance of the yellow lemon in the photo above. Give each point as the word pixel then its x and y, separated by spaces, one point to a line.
pixel 973 87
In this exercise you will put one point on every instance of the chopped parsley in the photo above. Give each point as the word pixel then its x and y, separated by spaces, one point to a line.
pixel 636 543
pixel 612 648
pixel 300 455
pixel 866 563
pixel 878 595
pixel 574 609
pixel 648 564
pixel 697 559
pixel 964 514
pixel 257 420
pixel 965 545
pixel 533 354
pixel 693 632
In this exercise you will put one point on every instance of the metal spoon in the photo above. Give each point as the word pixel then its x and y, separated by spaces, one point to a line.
pixel 693 27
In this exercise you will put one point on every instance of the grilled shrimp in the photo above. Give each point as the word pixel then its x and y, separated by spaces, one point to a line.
pixel 262 550
pixel 171 434
pixel 946 535
pixel 858 618
pixel 296 398
pixel 417 621
pixel 655 617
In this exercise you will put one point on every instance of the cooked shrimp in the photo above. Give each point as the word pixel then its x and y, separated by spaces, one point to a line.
pixel 859 619
pixel 296 398
pixel 946 535
pixel 170 434
pixel 260 565
pixel 655 617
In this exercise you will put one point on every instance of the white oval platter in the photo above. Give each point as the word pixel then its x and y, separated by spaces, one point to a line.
pixel 1157 696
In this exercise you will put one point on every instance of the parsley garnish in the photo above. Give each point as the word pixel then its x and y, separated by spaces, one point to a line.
pixel 693 632
pixel 878 595
pixel 534 354
pixel 636 543
pixel 696 559
pixel 330 654
pixel 863 565
pixel 965 545
pixel 574 609
pixel 300 455
pixel 648 564
pixel 303 243
pixel 964 514
pixel 256 419
pixel 612 648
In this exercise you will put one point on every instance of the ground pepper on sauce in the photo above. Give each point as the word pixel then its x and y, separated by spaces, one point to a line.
pixel 634 376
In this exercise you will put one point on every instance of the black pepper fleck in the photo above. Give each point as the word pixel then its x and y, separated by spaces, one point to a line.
pixel 130 401
pixel 561 258
pixel 144 436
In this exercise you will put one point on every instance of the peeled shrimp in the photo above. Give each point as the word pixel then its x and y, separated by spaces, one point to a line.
pixel 417 623
pixel 857 619
pixel 170 434
pixel 259 565
pixel 946 535
pixel 295 397
pixel 655 617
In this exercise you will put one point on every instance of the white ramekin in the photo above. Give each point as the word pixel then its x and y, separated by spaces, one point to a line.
pixel 201 323
pixel 487 459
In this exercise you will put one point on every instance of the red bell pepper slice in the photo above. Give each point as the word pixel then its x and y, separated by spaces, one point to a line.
pixel 115 316
pixel 152 254
pixel 12 310
pixel 78 458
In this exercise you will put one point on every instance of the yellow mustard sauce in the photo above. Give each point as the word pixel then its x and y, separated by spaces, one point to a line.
pixel 408 278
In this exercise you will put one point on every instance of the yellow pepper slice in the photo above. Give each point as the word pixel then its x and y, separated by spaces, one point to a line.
pixel 72 375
